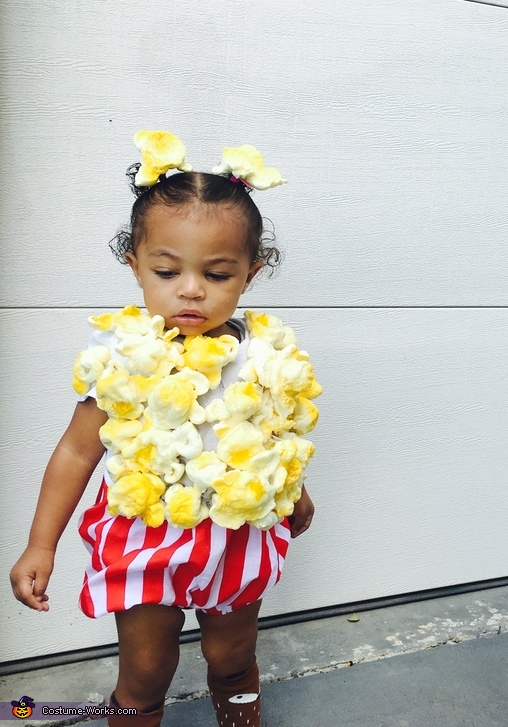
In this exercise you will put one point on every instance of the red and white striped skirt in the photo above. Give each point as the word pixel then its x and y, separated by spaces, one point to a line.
pixel 209 568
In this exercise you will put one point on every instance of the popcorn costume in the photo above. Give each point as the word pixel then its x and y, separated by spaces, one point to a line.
pixel 205 460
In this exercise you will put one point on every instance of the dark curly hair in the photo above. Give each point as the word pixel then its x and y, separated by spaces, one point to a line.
pixel 186 188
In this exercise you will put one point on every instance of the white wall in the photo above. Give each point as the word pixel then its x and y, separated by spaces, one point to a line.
pixel 389 119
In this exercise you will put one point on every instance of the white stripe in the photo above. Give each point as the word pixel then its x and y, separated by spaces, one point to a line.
pixel 217 546
pixel 134 573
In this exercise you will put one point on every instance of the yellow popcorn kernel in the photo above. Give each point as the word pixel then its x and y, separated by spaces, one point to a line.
pixel 294 472
pixel 115 434
pixel 305 415
pixel 160 151
pixel 286 498
pixel 130 319
pixel 120 394
pixel 135 495
pixel 184 508
pixel 313 390
pixel 174 401
pixel 88 367
pixel 238 445
pixel 146 356
pixel 269 328
pixel 268 421
pixel 144 457
pixel 184 441
pixel 153 516
pixel 265 463
pixel 204 469
pixel 304 448
pixel 216 411
pixel 240 497
pixel 287 449
pixel 266 522
pixel 118 467
pixel 242 399
pixel 209 355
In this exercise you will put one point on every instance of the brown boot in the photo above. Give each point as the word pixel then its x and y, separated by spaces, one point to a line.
pixel 150 718
pixel 236 700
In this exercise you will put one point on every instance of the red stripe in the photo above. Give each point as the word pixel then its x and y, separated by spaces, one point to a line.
pixel 185 573
pixel 85 600
pixel 117 563
pixel 234 562
pixel 93 515
pixel 282 544
pixel 153 576
pixel 253 591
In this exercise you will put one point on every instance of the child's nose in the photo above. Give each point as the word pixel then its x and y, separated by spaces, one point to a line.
pixel 191 287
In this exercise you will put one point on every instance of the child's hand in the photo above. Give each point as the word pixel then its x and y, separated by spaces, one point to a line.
pixel 30 576
pixel 302 515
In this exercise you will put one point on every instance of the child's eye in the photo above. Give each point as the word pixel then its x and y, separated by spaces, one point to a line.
pixel 165 273
pixel 218 276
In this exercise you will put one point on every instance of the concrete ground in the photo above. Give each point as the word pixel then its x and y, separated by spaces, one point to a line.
pixel 442 662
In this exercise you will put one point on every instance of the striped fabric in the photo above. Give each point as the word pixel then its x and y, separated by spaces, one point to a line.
pixel 209 568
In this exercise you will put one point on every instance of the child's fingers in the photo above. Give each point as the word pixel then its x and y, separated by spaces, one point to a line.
pixel 22 587
pixel 30 576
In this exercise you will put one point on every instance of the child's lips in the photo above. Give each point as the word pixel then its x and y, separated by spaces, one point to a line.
pixel 189 318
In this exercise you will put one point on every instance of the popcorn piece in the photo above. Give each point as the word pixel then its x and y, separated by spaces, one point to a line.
pixel 184 508
pixel 130 319
pixel 118 467
pixel 304 448
pixel 239 444
pixel 241 497
pixel 174 400
pixel 88 368
pixel 305 415
pixel 284 372
pixel 269 328
pixel 115 434
pixel 160 151
pixel 138 495
pixel 267 522
pixel 285 499
pixel 209 355
pixel 205 469
pixel 184 441
pixel 247 163
pixel 153 351
pixel 120 394
pixel 242 399
pixel 268 421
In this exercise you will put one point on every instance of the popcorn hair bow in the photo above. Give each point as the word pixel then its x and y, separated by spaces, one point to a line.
pixel 162 151
pixel 246 164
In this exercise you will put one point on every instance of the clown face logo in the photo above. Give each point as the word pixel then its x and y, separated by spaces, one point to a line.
pixel 23 708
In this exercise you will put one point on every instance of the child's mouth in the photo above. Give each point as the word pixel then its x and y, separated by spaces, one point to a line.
pixel 189 318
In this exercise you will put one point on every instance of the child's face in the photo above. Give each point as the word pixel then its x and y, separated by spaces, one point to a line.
pixel 193 266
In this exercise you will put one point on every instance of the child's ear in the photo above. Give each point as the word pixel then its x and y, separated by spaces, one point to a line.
pixel 133 262
pixel 253 271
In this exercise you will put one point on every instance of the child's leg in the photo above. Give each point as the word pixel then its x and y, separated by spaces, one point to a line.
pixel 148 648
pixel 229 646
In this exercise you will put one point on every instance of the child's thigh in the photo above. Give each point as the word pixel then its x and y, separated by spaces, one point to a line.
pixel 229 642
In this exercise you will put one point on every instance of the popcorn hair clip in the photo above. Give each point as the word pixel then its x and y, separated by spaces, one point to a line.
pixel 162 151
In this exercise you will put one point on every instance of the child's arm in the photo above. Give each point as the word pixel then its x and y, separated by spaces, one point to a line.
pixel 302 515
pixel 65 479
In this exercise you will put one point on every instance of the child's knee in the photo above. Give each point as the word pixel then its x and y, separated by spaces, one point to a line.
pixel 225 659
